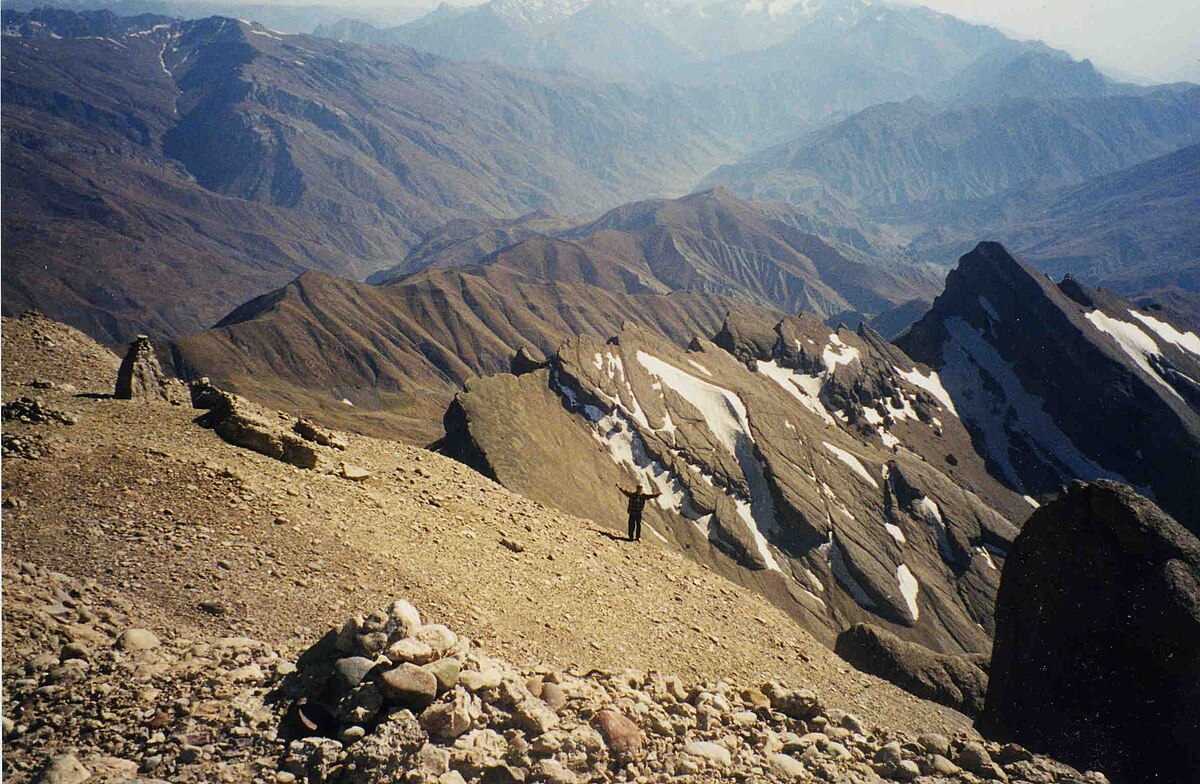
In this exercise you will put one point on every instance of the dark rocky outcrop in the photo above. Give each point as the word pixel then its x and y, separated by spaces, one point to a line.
pixel 1097 648
pixel 1063 382
pixel 955 680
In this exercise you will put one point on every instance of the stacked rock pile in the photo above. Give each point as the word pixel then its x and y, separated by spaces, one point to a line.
pixel 389 698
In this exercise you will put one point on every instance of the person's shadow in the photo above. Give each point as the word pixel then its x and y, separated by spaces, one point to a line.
pixel 611 535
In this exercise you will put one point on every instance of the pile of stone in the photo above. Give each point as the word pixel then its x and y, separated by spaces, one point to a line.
pixel 32 411
pixel 140 376
pixel 389 698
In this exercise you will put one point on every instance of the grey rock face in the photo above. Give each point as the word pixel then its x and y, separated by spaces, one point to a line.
pixel 140 377
pixel 1097 652
pixel 954 680
pixel 808 458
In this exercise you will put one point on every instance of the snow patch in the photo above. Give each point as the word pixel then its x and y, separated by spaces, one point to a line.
pixel 896 533
pixel 799 386
pixel 700 367
pixel 968 359
pixel 1188 341
pixel 908 588
pixel 722 409
pixel 1137 344
pixel 853 462
pixel 726 417
pixel 931 384
pixel 988 309
pixel 1031 501
pixel 838 353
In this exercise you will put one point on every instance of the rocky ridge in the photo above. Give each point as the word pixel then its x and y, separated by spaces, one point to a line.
pixel 401 349
pixel 822 474
pixel 207 540
pixel 1062 382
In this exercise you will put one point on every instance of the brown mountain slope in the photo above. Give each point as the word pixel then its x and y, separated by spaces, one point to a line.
pixel 398 353
pixel 828 477
pixel 156 180
pixel 710 242
pixel 164 516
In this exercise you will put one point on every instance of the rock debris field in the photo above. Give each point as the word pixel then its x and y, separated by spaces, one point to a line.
pixel 180 609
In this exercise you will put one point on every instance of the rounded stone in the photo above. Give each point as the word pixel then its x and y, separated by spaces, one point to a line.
pixel 410 686
pixel 137 640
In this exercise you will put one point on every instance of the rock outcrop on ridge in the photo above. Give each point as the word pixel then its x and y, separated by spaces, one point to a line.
pixel 959 681
pixel 1062 382
pixel 212 569
pixel 1097 651
pixel 782 468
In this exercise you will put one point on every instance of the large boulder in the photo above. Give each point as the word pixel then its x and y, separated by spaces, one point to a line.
pixel 955 680
pixel 1097 650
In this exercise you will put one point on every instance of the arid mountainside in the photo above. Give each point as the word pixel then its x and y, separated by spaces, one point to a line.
pixel 713 242
pixel 1061 382
pixel 217 159
pixel 235 563
pixel 400 350
pixel 388 359
pixel 916 155
pixel 803 478
pixel 1131 231
pixel 1097 184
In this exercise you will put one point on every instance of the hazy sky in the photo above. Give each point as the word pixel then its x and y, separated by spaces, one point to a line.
pixel 1150 40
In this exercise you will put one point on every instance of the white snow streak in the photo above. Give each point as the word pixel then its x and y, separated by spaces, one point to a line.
pixel 1188 341
pixel 726 417
pixel 838 353
pixel 931 384
pixel 968 359
pixel 799 386
pixel 1137 344
pixel 909 587
pixel 853 462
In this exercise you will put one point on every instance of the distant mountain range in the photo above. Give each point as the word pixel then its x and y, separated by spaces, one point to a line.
pixel 1137 229
pixel 1068 181
pixel 759 70
pixel 916 157
pixel 674 267
pixel 159 173
pixel 156 177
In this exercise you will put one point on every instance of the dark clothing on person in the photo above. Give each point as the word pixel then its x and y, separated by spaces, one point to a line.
pixel 637 503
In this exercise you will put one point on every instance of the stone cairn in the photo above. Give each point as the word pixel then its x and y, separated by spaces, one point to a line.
pixel 140 376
